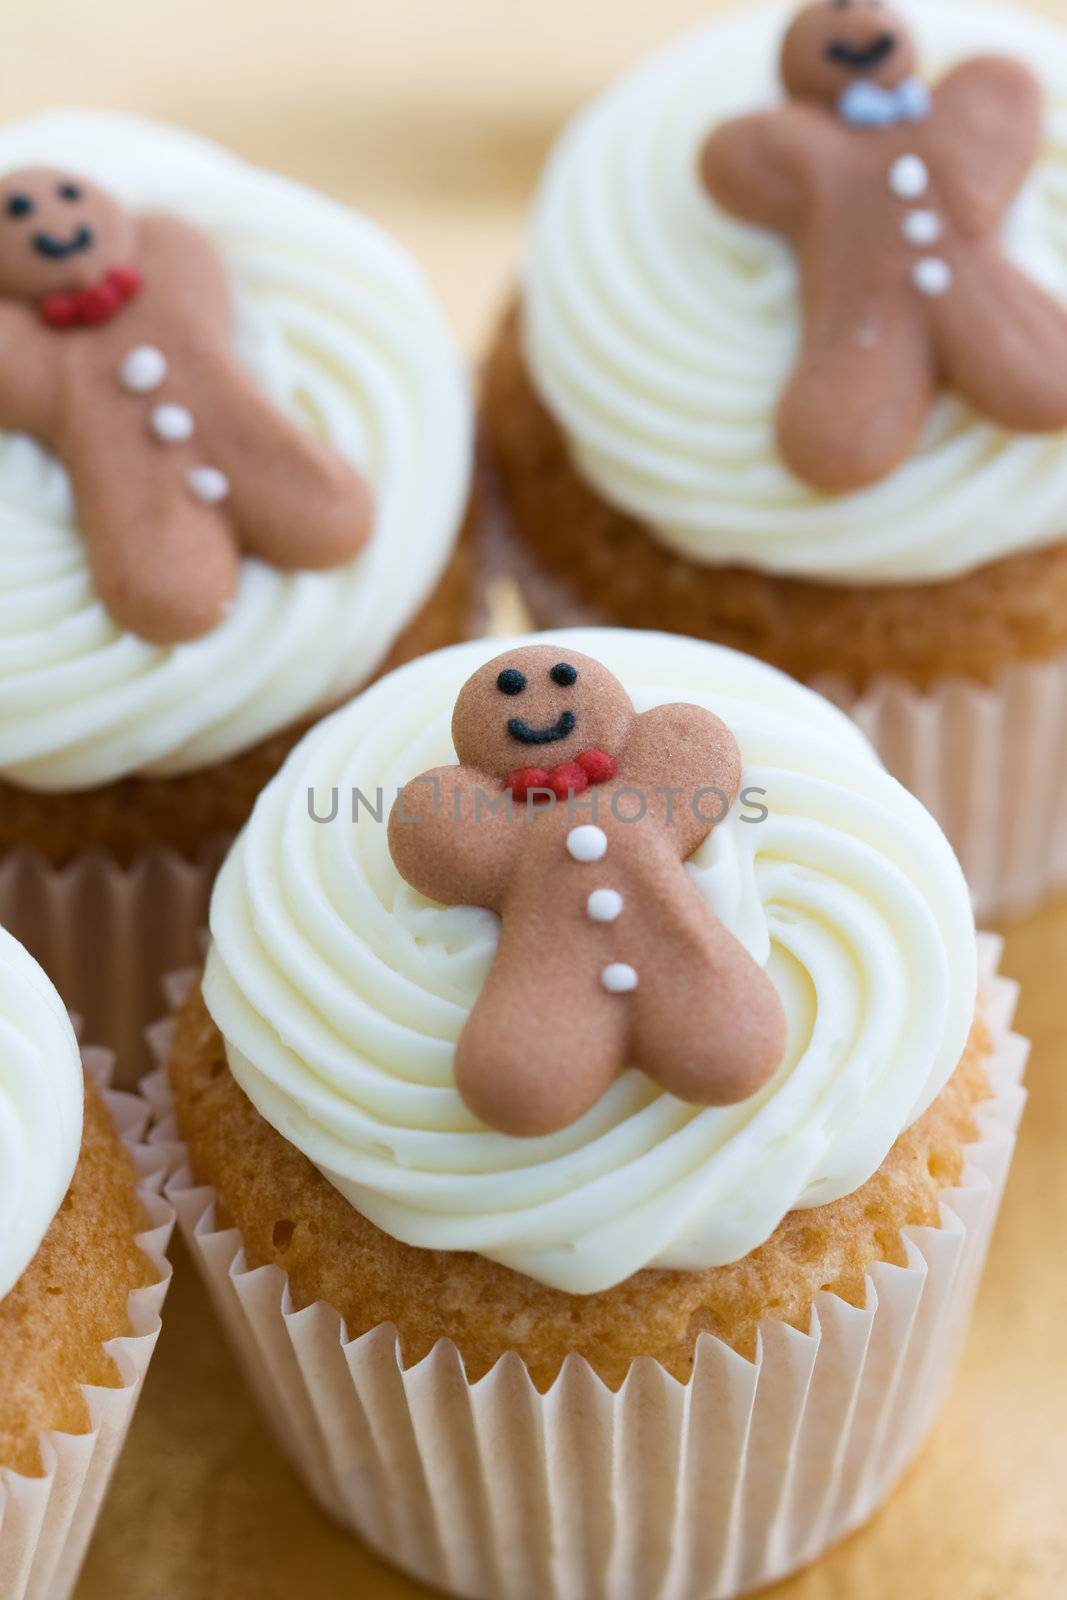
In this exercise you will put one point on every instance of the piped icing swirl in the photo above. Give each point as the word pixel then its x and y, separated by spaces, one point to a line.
pixel 662 333
pixel 41 1099
pixel 339 327
pixel 341 992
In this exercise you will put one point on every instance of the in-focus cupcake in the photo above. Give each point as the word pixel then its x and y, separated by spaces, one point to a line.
pixel 787 371
pixel 595 1050
pixel 82 1279
pixel 234 462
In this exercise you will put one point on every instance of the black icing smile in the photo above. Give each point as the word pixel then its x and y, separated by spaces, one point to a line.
pixel 861 60
pixel 559 730
pixel 46 244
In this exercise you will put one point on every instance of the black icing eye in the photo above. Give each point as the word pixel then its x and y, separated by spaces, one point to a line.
pixel 69 191
pixel 511 681
pixel 563 674
pixel 19 205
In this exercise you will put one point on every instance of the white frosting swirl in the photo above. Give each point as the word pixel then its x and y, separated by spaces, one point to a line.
pixel 341 992
pixel 41 1102
pixel 661 332
pixel 338 324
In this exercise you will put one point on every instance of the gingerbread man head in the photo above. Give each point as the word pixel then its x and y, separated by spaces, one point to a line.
pixel 536 707
pixel 836 43
pixel 59 234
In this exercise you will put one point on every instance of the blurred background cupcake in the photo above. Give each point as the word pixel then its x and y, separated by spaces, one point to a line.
pixel 83 1273
pixel 230 495
pixel 699 1334
pixel 785 371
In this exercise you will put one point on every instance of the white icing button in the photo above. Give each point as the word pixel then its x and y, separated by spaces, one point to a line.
pixel 908 177
pixel 173 424
pixel 587 843
pixel 208 484
pixel 933 276
pixel 143 369
pixel 604 905
pixel 922 228
pixel 619 978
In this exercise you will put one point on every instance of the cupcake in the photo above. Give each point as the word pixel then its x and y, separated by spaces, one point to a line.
pixel 234 461
pixel 595 1073
pixel 82 1279
pixel 787 372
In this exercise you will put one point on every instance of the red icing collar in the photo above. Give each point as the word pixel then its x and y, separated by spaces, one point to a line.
pixel 87 308
pixel 570 777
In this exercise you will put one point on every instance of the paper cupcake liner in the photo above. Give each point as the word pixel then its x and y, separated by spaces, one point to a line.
pixel 107 935
pixel 46 1522
pixel 990 763
pixel 662 1491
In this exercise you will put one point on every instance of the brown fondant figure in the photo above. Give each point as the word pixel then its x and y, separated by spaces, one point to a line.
pixel 894 197
pixel 609 955
pixel 115 352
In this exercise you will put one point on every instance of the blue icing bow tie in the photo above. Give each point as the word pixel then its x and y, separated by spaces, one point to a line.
pixel 866 105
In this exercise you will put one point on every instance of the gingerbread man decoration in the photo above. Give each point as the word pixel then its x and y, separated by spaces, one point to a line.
pixel 115 353
pixel 893 196
pixel 609 955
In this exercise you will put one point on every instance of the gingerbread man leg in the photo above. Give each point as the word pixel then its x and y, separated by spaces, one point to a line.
pixel 707 1024
pixel 859 396
pixel 294 502
pixel 163 563
pixel 544 1041
pixel 1002 342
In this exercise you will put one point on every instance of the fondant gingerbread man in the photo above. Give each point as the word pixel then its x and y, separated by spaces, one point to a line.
pixel 894 196
pixel 609 956
pixel 115 352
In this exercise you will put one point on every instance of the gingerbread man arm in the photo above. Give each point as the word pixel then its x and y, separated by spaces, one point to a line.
pixel 761 168
pixel 454 836
pixel 687 765
pixel 27 352
pixel 186 272
pixel 989 121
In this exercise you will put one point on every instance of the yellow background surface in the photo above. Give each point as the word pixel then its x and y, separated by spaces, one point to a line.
pixel 434 116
